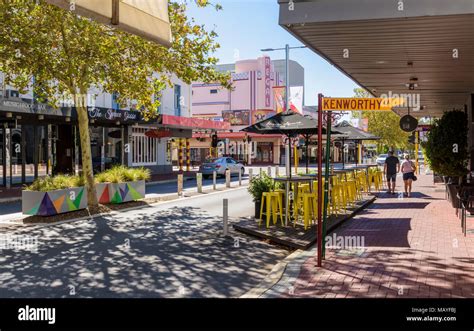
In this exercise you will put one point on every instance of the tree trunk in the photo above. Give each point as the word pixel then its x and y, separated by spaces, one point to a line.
pixel 87 172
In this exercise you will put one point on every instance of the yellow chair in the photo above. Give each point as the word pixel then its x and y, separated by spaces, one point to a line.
pixel 273 202
pixel 310 208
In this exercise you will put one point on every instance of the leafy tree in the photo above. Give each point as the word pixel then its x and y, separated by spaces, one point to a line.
pixel 384 124
pixel 446 147
pixel 68 55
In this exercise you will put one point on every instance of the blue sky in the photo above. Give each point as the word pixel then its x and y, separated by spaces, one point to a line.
pixel 246 26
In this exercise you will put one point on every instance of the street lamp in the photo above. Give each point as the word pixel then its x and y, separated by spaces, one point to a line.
pixel 287 91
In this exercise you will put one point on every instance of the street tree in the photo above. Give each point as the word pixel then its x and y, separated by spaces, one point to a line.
pixel 384 124
pixel 66 56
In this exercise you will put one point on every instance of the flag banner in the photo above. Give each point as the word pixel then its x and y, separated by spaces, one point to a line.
pixel 296 99
pixel 279 97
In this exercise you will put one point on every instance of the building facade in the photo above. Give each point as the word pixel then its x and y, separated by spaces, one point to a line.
pixel 37 139
pixel 249 101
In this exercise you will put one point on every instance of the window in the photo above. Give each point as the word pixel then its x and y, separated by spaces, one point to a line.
pixel 177 100
pixel 213 91
pixel 143 148
pixel 115 105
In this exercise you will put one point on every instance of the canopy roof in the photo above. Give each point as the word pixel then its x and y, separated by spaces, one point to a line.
pixel 352 133
pixel 287 123
pixel 146 18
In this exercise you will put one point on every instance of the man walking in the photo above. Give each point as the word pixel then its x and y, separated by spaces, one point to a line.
pixel 391 168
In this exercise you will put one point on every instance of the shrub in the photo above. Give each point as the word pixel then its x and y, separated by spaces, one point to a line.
pixel 120 174
pixel 58 182
pixel 262 183
pixel 446 146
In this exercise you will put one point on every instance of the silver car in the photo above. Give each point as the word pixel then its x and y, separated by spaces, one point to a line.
pixel 220 165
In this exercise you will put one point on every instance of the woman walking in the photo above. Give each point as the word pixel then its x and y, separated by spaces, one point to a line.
pixel 408 170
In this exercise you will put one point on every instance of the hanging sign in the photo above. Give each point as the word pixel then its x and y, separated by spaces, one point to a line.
pixel 408 123
pixel 358 104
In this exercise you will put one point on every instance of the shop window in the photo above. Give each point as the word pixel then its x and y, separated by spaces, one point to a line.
pixel 144 149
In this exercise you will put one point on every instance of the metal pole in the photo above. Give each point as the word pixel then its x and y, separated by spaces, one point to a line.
pixel 214 179
pixel 320 178
pixel 225 214
pixel 250 174
pixel 180 185
pixel 343 154
pixel 287 97
pixel 240 178
pixel 269 171
pixel 307 156
pixel 227 178
pixel 326 183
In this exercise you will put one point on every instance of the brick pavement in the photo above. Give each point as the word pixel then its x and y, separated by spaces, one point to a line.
pixel 413 248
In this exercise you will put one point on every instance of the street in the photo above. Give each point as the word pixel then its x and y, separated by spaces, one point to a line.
pixel 172 249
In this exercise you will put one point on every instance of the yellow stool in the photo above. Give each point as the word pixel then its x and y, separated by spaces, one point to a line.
pixel 310 208
pixel 273 202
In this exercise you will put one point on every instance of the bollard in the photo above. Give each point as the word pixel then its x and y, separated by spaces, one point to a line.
pixel 227 178
pixel 250 174
pixel 269 171
pixel 225 214
pixel 180 185
pixel 214 180
pixel 277 171
pixel 261 171
pixel 240 178
pixel 199 182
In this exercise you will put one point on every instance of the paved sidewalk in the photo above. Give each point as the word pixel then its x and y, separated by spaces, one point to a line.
pixel 413 248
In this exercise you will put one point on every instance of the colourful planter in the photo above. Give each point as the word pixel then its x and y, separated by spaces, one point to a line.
pixel 120 192
pixel 53 202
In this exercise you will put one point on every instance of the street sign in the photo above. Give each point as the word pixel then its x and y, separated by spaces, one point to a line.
pixel 408 123
pixel 358 104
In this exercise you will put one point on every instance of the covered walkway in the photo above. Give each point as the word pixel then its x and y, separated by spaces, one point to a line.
pixel 413 248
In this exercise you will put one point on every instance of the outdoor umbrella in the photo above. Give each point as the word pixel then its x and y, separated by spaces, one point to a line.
pixel 288 123
pixel 350 132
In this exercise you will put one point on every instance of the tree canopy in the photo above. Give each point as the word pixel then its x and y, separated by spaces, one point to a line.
pixel 384 124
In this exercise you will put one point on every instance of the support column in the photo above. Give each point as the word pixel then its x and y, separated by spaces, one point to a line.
pixel 188 156
pixel 35 151
pixel 23 154
pixel 8 160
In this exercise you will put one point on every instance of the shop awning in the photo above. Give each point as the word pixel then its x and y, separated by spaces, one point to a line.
pixel 192 123
pixel 422 47
pixel 236 135
pixel 146 18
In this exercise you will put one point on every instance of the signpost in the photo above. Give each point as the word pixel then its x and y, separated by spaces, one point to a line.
pixel 339 104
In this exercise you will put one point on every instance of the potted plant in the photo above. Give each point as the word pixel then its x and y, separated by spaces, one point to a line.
pixel 446 150
pixel 258 185
pixel 54 195
pixel 121 184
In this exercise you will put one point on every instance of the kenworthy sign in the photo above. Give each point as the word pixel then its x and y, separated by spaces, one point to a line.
pixel 358 104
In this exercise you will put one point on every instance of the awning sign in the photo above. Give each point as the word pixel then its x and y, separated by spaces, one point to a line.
pixel 358 104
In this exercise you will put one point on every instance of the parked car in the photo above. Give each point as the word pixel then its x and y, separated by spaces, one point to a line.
pixel 220 165
pixel 381 159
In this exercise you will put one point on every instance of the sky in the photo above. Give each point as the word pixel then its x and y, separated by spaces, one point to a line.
pixel 246 26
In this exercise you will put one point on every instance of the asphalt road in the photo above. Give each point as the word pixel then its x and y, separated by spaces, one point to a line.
pixel 172 249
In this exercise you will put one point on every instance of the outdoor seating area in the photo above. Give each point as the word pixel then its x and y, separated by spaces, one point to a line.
pixel 288 211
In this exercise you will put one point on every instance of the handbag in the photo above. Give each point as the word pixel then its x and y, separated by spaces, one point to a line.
pixel 414 178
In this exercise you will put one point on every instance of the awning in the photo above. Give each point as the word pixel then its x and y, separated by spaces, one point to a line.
pixel 385 45
pixel 191 123
pixel 146 18
pixel 237 135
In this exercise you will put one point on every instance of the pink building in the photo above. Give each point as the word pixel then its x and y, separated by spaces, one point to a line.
pixel 250 100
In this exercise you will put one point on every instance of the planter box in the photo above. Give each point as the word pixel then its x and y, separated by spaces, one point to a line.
pixel 120 192
pixel 53 202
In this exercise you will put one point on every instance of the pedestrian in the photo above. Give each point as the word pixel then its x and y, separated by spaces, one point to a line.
pixel 408 171
pixel 391 168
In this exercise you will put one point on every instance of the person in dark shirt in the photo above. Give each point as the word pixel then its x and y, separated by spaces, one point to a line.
pixel 391 168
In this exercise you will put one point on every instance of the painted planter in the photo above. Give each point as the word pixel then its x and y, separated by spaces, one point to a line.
pixel 53 202
pixel 120 192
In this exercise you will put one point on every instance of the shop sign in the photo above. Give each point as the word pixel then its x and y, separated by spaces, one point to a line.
pixel 236 117
pixel 113 115
pixel 360 104
pixel 267 81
